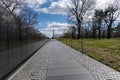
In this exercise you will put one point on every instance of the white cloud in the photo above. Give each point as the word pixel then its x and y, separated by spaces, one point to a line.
pixel 56 8
pixel 35 3
pixel 102 4
pixel 60 6
pixel 58 27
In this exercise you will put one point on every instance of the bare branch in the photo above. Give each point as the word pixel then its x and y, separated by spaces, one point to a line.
pixel 77 9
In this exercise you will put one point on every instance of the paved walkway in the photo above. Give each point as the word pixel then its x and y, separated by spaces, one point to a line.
pixel 56 61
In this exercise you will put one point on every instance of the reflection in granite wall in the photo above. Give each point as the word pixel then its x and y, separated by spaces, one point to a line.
pixel 16 43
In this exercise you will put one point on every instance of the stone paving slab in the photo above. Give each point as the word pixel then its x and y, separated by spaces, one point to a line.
pixel 63 67
pixel 67 71
pixel 35 68
pixel 71 77
pixel 56 61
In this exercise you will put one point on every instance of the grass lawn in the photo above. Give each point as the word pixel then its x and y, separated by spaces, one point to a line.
pixel 106 51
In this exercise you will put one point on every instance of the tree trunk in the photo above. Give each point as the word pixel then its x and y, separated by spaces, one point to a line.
pixel 109 31
pixel 78 36
pixel 94 32
pixel 79 30
pixel 99 32
pixel 103 34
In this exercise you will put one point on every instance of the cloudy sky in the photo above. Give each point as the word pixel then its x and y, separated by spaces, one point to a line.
pixel 53 14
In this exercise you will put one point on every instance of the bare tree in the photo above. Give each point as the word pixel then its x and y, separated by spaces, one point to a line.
pixel 72 31
pixel 99 17
pixel 117 30
pixel 77 10
pixel 94 27
pixel 12 6
pixel 110 15
pixel 31 17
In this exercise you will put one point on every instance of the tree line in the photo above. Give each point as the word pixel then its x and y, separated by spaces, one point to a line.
pixel 100 25
pixel 17 21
